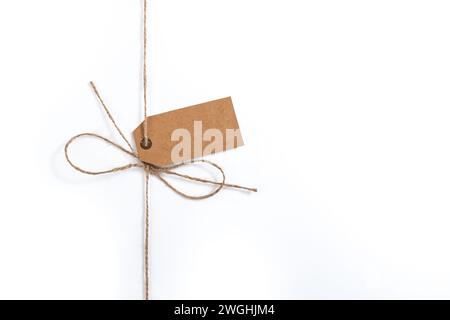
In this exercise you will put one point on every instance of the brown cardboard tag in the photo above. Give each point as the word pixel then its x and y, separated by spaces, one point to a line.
pixel 189 133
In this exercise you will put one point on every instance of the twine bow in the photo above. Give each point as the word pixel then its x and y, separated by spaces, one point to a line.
pixel 149 169
pixel 157 171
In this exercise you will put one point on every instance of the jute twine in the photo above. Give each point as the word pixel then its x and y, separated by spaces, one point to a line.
pixel 148 168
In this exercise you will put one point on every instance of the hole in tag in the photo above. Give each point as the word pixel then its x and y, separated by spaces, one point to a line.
pixel 146 143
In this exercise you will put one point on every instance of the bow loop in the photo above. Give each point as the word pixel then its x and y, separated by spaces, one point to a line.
pixel 159 172
pixel 96 136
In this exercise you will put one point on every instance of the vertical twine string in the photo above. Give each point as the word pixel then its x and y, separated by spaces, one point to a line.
pixel 146 241
pixel 146 205
pixel 145 72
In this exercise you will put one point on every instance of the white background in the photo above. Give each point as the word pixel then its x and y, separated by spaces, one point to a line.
pixel 344 107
